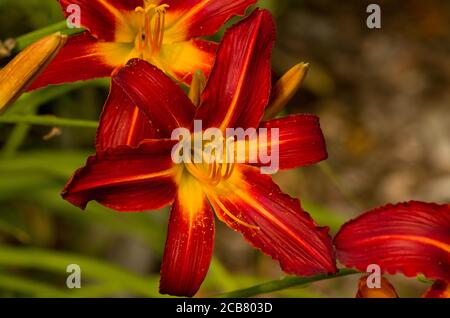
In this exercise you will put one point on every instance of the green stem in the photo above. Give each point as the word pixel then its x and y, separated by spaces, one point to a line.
pixel 283 284
pixel 29 103
pixel 47 121
pixel 24 40
pixel 16 139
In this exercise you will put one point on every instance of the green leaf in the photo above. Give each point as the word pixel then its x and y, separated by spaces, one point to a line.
pixel 29 38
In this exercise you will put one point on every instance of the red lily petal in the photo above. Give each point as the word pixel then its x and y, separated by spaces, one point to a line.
pixel 440 289
pixel 126 179
pixel 385 291
pixel 189 243
pixel 164 102
pixel 188 19
pixel 105 19
pixel 122 122
pixel 283 230
pixel 239 86
pixel 301 141
pixel 411 238
pixel 83 58
pixel 182 59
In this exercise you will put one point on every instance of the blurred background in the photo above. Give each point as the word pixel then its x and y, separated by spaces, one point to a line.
pixel 383 98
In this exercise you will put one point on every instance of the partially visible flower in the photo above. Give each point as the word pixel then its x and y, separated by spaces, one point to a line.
pixel 145 177
pixel 18 74
pixel 411 238
pixel 163 32
pixel 386 290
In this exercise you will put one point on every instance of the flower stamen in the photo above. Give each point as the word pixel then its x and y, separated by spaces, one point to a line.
pixel 150 37
pixel 232 216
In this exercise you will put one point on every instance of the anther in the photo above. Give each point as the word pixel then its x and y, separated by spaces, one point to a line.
pixel 151 32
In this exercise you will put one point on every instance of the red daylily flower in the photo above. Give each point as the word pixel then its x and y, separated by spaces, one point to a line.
pixel 411 238
pixel 162 32
pixel 145 178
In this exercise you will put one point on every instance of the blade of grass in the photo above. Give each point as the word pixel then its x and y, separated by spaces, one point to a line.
pixel 13 231
pixel 15 140
pixel 24 40
pixel 48 121
pixel 92 268
pixel 29 287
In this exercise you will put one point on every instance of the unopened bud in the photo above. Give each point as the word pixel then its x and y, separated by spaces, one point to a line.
pixel 285 89
pixel 18 74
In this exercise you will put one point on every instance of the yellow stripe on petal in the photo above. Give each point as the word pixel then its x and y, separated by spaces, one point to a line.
pixel 274 222
pixel 190 241
pixel 169 173
pixel 190 196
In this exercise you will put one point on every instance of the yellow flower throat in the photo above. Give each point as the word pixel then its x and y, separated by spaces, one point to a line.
pixel 211 175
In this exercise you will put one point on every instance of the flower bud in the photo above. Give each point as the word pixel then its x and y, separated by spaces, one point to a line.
pixel 285 89
pixel 18 74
